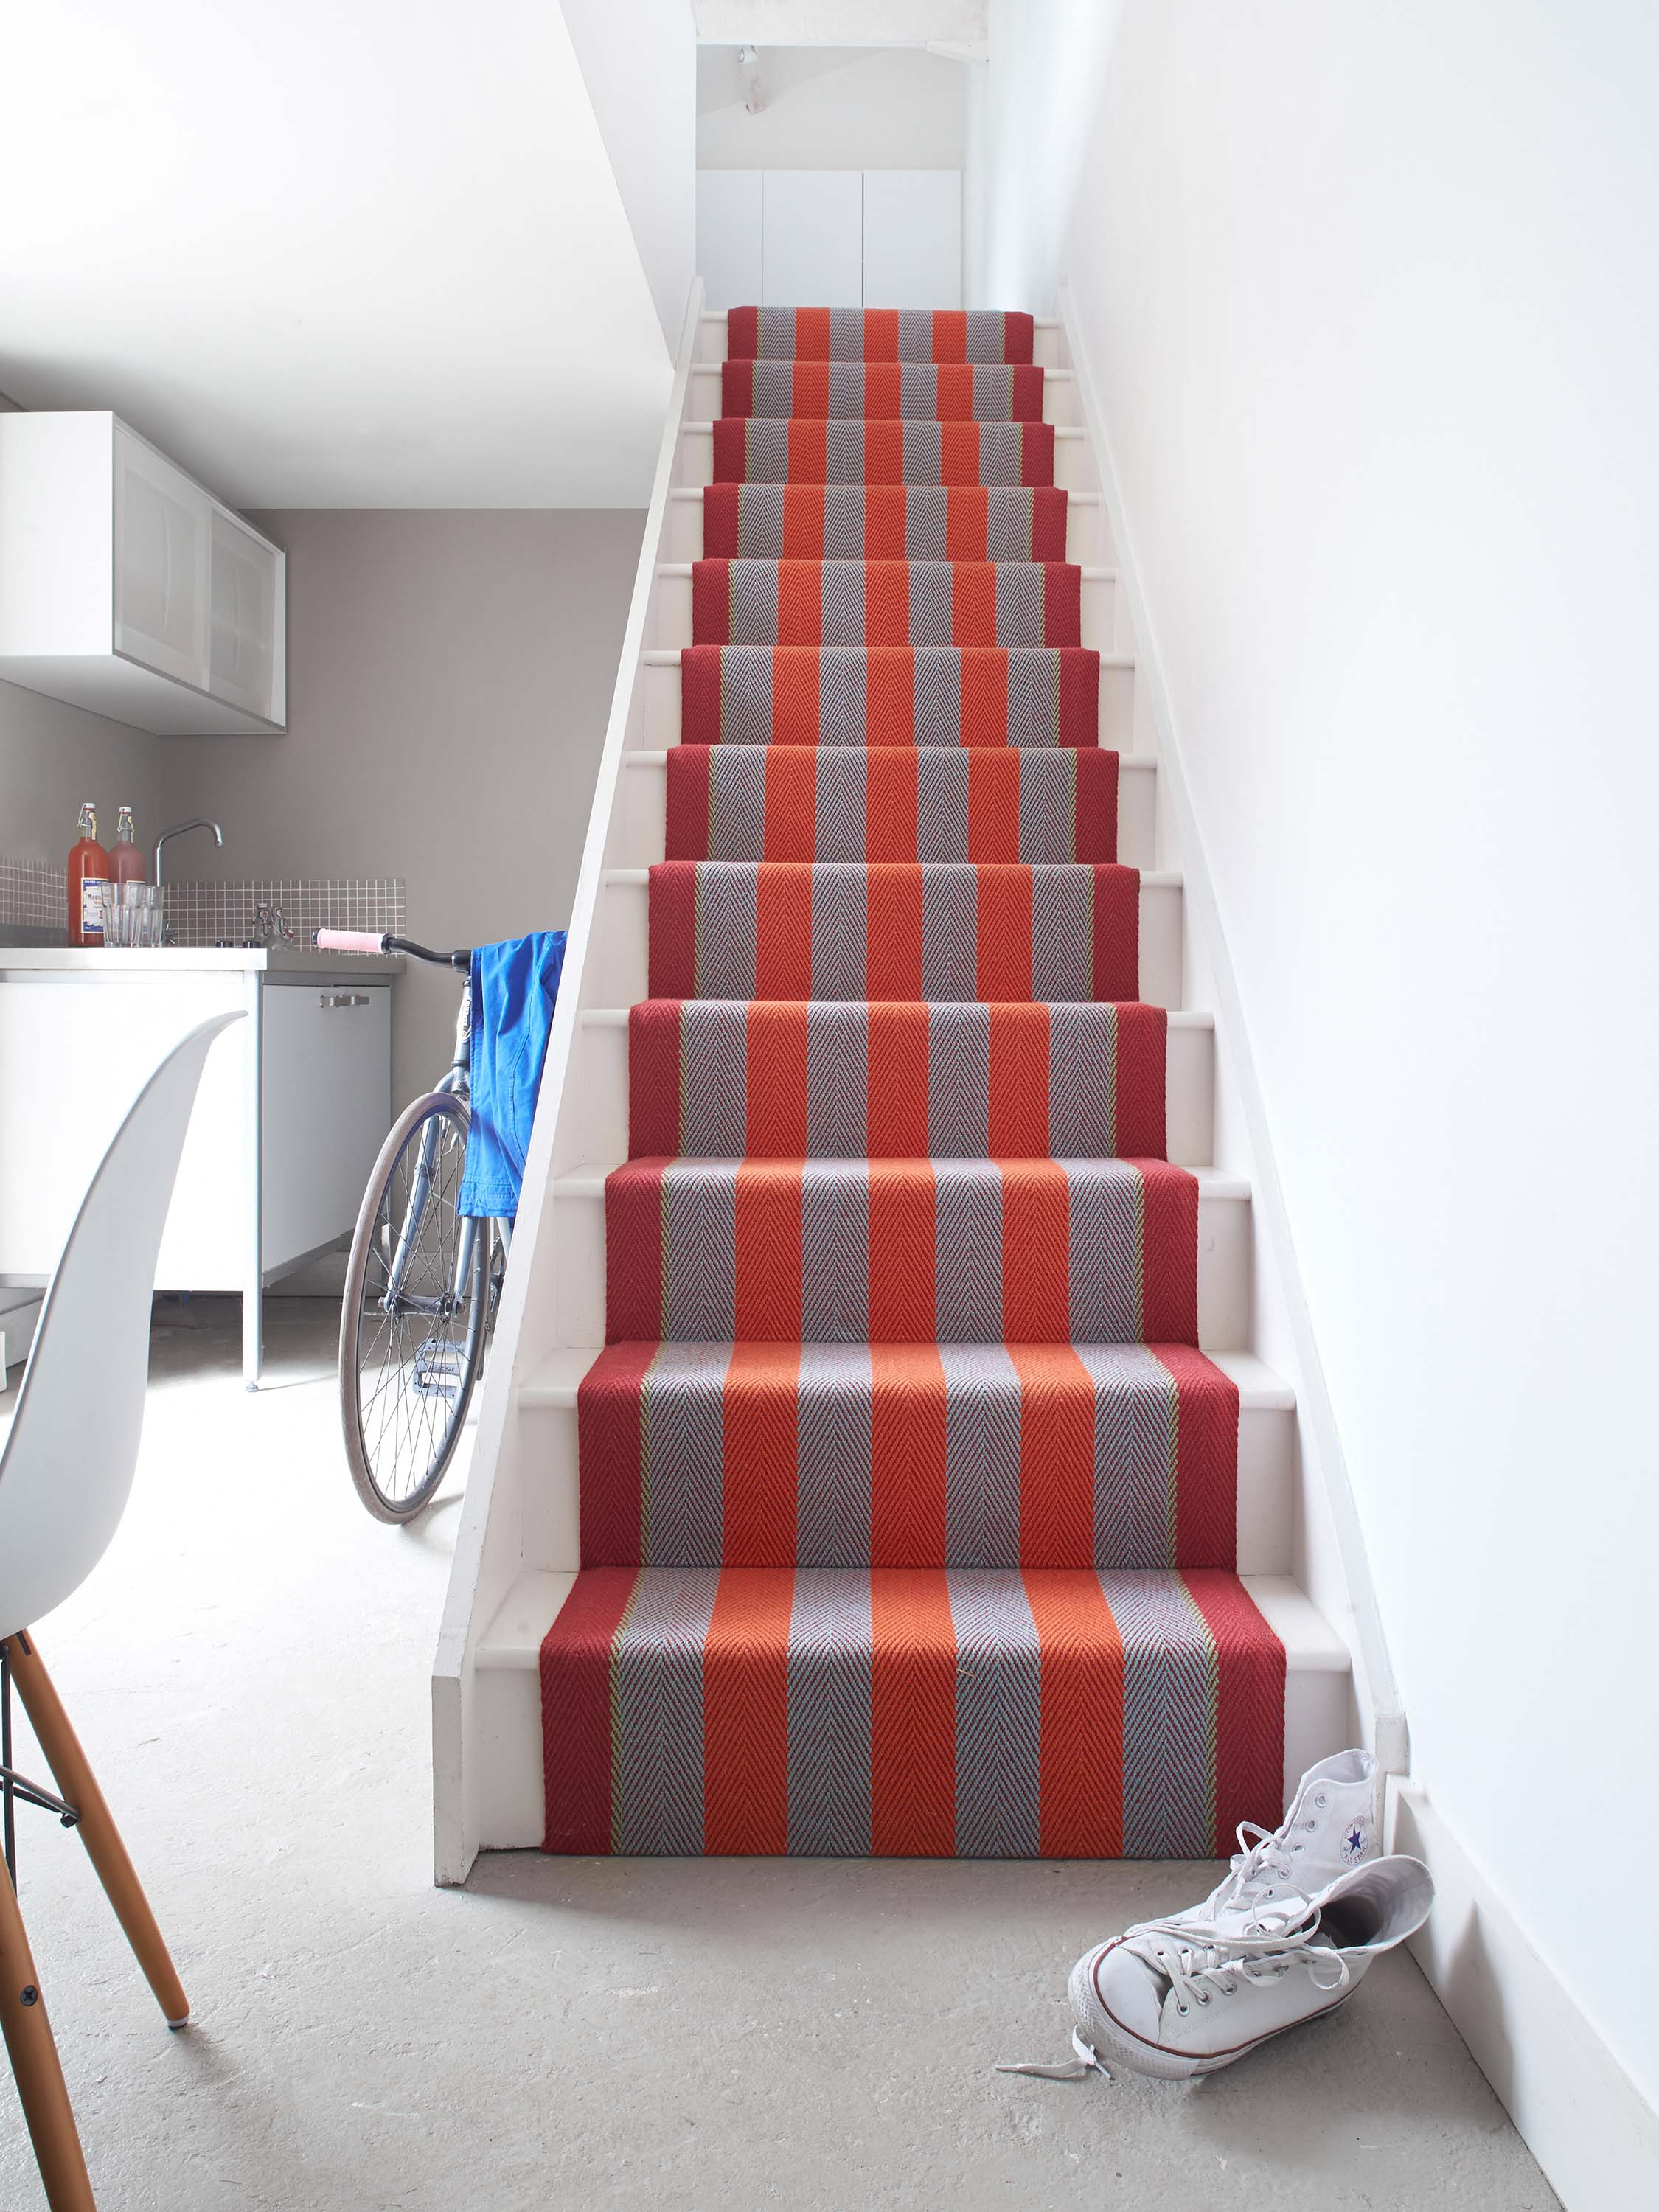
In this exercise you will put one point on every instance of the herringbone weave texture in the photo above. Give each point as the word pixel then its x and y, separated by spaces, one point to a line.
pixel 908 1499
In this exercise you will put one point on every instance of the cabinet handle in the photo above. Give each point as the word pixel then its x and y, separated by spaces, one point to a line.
pixel 342 999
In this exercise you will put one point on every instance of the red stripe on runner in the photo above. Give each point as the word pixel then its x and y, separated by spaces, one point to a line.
pixel 686 831
pixel 881 334
pixel 1207 1458
pixel 993 804
pixel 1169 1254
pixel 1038 453
pixel 800 602
pixel 791 823
pixel 1049 517
pixel 973 603
pixel 803 522
pixel 783 931
pixel 1036 1258
pixel 813 333
pixel 711 602
pixel 608 1408
pixel 576 1743
pixel 1143 1049
pixel 673 902
pixel 1249 1721
pixel 768 1257
pixel 634 1251
pixel 1062 603
pixel 700 704
pixel 653 1077
pixel 1056 1454
pixel 984 697
pixel 721 512
pixel 1097 805
pixel 1003 933
pixel 1025 402
pixel 742 333
pixel 1080 699
pixel 1117 932
pixel 795 696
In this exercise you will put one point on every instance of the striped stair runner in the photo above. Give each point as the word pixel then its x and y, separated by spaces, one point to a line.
pixel 908 1499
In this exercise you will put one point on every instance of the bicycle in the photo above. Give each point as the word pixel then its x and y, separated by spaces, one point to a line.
pixel 423 1281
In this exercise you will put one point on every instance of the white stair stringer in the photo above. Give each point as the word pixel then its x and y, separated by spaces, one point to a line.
pixel 517 1550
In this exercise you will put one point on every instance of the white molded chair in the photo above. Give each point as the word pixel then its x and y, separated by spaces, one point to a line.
pixel 65 1474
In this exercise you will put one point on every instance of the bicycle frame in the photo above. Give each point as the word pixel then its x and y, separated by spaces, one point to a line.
pixel 457 1084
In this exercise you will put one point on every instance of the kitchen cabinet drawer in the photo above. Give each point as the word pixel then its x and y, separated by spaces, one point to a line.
pixel 325 1105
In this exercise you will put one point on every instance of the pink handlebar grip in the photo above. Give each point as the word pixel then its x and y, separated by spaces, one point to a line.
pixel 347 940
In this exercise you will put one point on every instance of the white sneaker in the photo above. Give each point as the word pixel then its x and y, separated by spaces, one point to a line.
pixel 1331 1828
pixel 1174 1998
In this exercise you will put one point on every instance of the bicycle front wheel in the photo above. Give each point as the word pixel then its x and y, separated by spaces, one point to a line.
pixel 412 1324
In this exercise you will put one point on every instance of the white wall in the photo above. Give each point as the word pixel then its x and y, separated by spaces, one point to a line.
pixel 1372 303
pixel 832 107
pixel 639 63
pixel 449 677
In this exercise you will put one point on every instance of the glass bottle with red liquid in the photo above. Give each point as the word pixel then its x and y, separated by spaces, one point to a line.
pixel 88 864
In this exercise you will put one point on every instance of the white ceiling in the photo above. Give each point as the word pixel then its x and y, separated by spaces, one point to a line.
pixel 368 255
pixel 842 23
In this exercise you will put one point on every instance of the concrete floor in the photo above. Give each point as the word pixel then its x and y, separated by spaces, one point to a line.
pixel 248 1670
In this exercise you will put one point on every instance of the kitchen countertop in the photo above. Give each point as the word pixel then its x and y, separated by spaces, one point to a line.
pixel 276 960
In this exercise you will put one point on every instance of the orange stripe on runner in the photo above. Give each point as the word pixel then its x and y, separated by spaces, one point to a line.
pixel 896 1117
pixel 892 955
pixel 907 1454
pixel 993 804
pixel 766 1237
pixel 912 1714
pixel 967 523
pixel 985 697
pixel 889 699
pixel 883 522
pixel 800 602
pixel 813 333
pixel 890 805
pixel 791 825
pixel 959 452
pixel 760 1403
pixel 902 1265
pixel 1017 1125
pixel 887 603
pixel 1081 1731
pixel 973 603
pixel 810 389
pixel 949 334
pixel 954 394
pixel 1036 1218
pixel 1005 933
pixel 1056 1454
pixel 776 1075
pixel 881 334
pixel 808 458
pixel 745 1713
pixel 783 932
pixel 795 695
pixel 803 522
pixel 883 452
pixel 883 391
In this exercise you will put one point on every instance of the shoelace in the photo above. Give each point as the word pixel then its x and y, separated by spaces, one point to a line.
pixel 1079 2070
pixel 1198 1961
pixel 1268 1854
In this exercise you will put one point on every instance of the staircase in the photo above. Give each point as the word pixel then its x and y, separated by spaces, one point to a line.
pixel 872 1461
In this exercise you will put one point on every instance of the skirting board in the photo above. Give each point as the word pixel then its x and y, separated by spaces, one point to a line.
pixel 1583 2118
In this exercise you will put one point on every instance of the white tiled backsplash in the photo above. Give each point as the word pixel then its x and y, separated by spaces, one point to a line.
pixel 33 901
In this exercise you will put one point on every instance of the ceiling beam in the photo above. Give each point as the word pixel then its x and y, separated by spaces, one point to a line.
pixel 955 23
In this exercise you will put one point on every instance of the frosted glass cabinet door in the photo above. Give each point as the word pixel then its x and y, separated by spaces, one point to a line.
pixel 244 634
pixel 163 527
pixel 913 238
pixel 812 238
pixel 729 237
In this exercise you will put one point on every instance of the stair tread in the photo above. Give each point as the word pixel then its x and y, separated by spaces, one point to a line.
pixel 557 1378
pixel 515 1636
pixel 589 1182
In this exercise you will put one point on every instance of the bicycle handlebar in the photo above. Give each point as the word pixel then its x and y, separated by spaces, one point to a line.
pixel 360 940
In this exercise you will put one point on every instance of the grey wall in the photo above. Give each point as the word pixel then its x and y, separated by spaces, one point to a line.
pixel 449 678
pixel 52 757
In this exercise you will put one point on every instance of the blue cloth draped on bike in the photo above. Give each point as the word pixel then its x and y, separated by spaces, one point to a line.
pixel 515 986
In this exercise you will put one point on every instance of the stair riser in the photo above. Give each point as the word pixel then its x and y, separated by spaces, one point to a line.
pixel 508 1723
pixel 618 964
pixel 1060 403
pixel 1224 1267
pixel 670 624
pixel 1074 469
pixel 1120 711
pixel 1265 1533
pixel 1088 541
pixel 642 806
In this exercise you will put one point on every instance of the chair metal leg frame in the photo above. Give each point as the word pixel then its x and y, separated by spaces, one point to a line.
pixel 12 1784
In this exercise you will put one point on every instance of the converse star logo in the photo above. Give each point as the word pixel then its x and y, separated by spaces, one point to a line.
pixel 1353 1843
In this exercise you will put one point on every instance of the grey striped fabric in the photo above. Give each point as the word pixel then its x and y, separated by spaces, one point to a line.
pixel 656 1795
pixel 1008 523
pixel 1169 1714
pixel 772 392
pixel 999 1717
pixel 1020 603
pixel 831 1641
pixel 1001 452
pixel 775 334
pixel 1033 677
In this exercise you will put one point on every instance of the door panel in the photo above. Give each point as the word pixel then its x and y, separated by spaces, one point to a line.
pixel 729 237
pixel 812 238
pixel 913 238
pixel 163 524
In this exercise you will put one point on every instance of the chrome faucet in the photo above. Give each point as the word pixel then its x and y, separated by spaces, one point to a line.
pixel 196 822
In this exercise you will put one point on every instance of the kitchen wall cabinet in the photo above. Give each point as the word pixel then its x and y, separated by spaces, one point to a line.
pixel 293 1105
pixel 126 588
pixel 829 237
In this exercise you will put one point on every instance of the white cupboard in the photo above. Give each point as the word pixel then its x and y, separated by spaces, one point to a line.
pixel 829 237
pixel 126 588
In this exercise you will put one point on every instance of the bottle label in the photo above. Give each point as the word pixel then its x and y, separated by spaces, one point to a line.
pixel 92 909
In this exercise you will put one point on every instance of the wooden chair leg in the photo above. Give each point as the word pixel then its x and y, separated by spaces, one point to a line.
pixel 35 2062
pixel 98 1831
